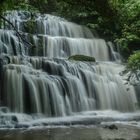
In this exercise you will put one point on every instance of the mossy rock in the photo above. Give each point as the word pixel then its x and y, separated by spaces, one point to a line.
pixel 29 26
pixel 81 58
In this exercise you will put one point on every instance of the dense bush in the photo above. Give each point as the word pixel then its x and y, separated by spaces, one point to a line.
pixel 129 23
pixel 134 62
pixel 133 67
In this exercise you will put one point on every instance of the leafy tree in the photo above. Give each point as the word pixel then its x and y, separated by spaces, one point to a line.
pixel 134 62
pixel 129 24
pixel 133 65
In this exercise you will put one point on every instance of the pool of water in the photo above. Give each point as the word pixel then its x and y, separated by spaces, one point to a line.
pixel 81 132
pixel 92 125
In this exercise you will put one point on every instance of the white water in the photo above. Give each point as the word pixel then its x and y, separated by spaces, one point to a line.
pixel 62 38
pixel 61 87
pixel 53 86
pixel 47 24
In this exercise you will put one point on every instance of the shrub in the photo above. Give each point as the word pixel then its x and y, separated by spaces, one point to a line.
pixel 134 62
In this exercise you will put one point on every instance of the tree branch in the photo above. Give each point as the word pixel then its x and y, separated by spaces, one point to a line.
pixel 22 38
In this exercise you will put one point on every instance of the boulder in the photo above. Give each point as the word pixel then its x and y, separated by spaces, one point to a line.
pixel 81 58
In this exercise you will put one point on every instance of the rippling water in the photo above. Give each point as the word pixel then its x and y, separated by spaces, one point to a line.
pixel 72 133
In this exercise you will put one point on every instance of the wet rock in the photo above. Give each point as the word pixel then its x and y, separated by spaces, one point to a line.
pixel 119 139
pixel 134 123
pixel 14 119
pixel 4 109
pixel 21 126
pixel 8 119
pixel 40 124
pixel 128 89
pixel 6 126
pixel 111 127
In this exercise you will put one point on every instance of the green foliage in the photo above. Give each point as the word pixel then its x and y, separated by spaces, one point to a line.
pixel 44 6
pixel 6 4
pixel 128 13
pixel 16 5
pixel 134 62
pixel 25 6
pixel 81 58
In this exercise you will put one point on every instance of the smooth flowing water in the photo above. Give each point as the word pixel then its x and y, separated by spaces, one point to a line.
pixel 40 86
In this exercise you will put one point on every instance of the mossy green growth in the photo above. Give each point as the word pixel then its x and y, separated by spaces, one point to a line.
pixel 134 61
pixel 81 58
pixel 29 26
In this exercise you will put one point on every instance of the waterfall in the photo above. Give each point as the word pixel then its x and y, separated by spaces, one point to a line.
pixel 41 80
pixel 53 87
pixel 10 43
pixel 47 25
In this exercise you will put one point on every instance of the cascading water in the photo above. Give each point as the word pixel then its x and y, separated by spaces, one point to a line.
pixel 48 83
